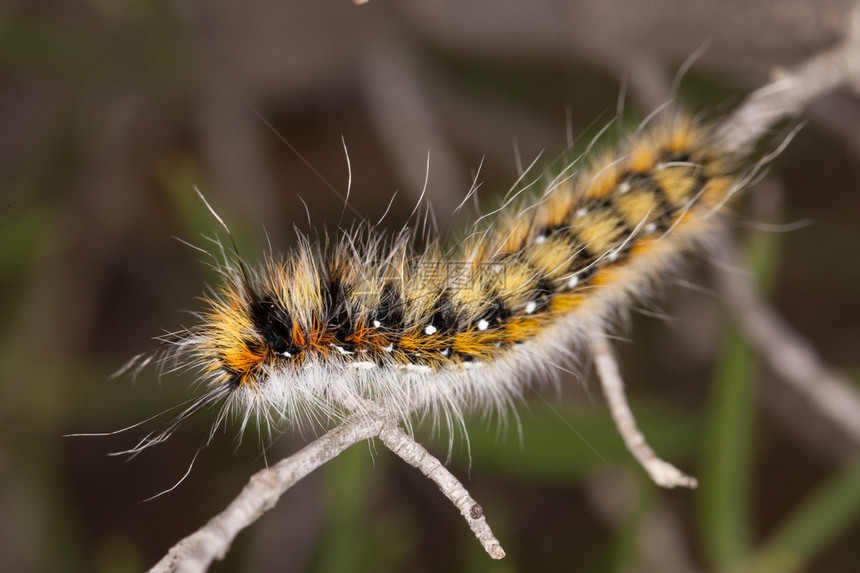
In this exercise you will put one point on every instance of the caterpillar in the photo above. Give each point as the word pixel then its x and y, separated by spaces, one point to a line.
pixel 433 331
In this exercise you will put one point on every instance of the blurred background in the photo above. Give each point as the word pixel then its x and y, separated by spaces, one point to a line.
pixel 110 114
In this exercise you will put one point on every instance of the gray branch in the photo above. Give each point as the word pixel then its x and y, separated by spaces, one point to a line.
pixel 196 552
pixel 794 90
pixel 212 541
pixel 786 352
pixel 663 473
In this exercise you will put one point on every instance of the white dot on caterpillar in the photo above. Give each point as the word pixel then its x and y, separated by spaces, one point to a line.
pixel 650 228
pixel 376 324
pixel 582 212
pixel 540 239
pixel 612 257
pixel 285 354
pixel 483 324
pixel 445 352
pixel 388 348
pixel 341 350
pixel 430 329
pixel 572 281
pixel 531 306
pixel 623 188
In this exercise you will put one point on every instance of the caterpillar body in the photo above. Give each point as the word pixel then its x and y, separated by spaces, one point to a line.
pixel 367 318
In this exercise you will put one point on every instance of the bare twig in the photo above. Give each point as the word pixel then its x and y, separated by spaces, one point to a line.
pixel 787 354
pixel 784 350
pixel 197 551
pixel 793 91
pixel 663 473
pixel 416 455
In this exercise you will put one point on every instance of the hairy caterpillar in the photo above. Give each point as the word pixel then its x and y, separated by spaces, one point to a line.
pixel 435 331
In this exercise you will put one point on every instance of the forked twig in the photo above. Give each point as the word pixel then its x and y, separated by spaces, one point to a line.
pixel 212 541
